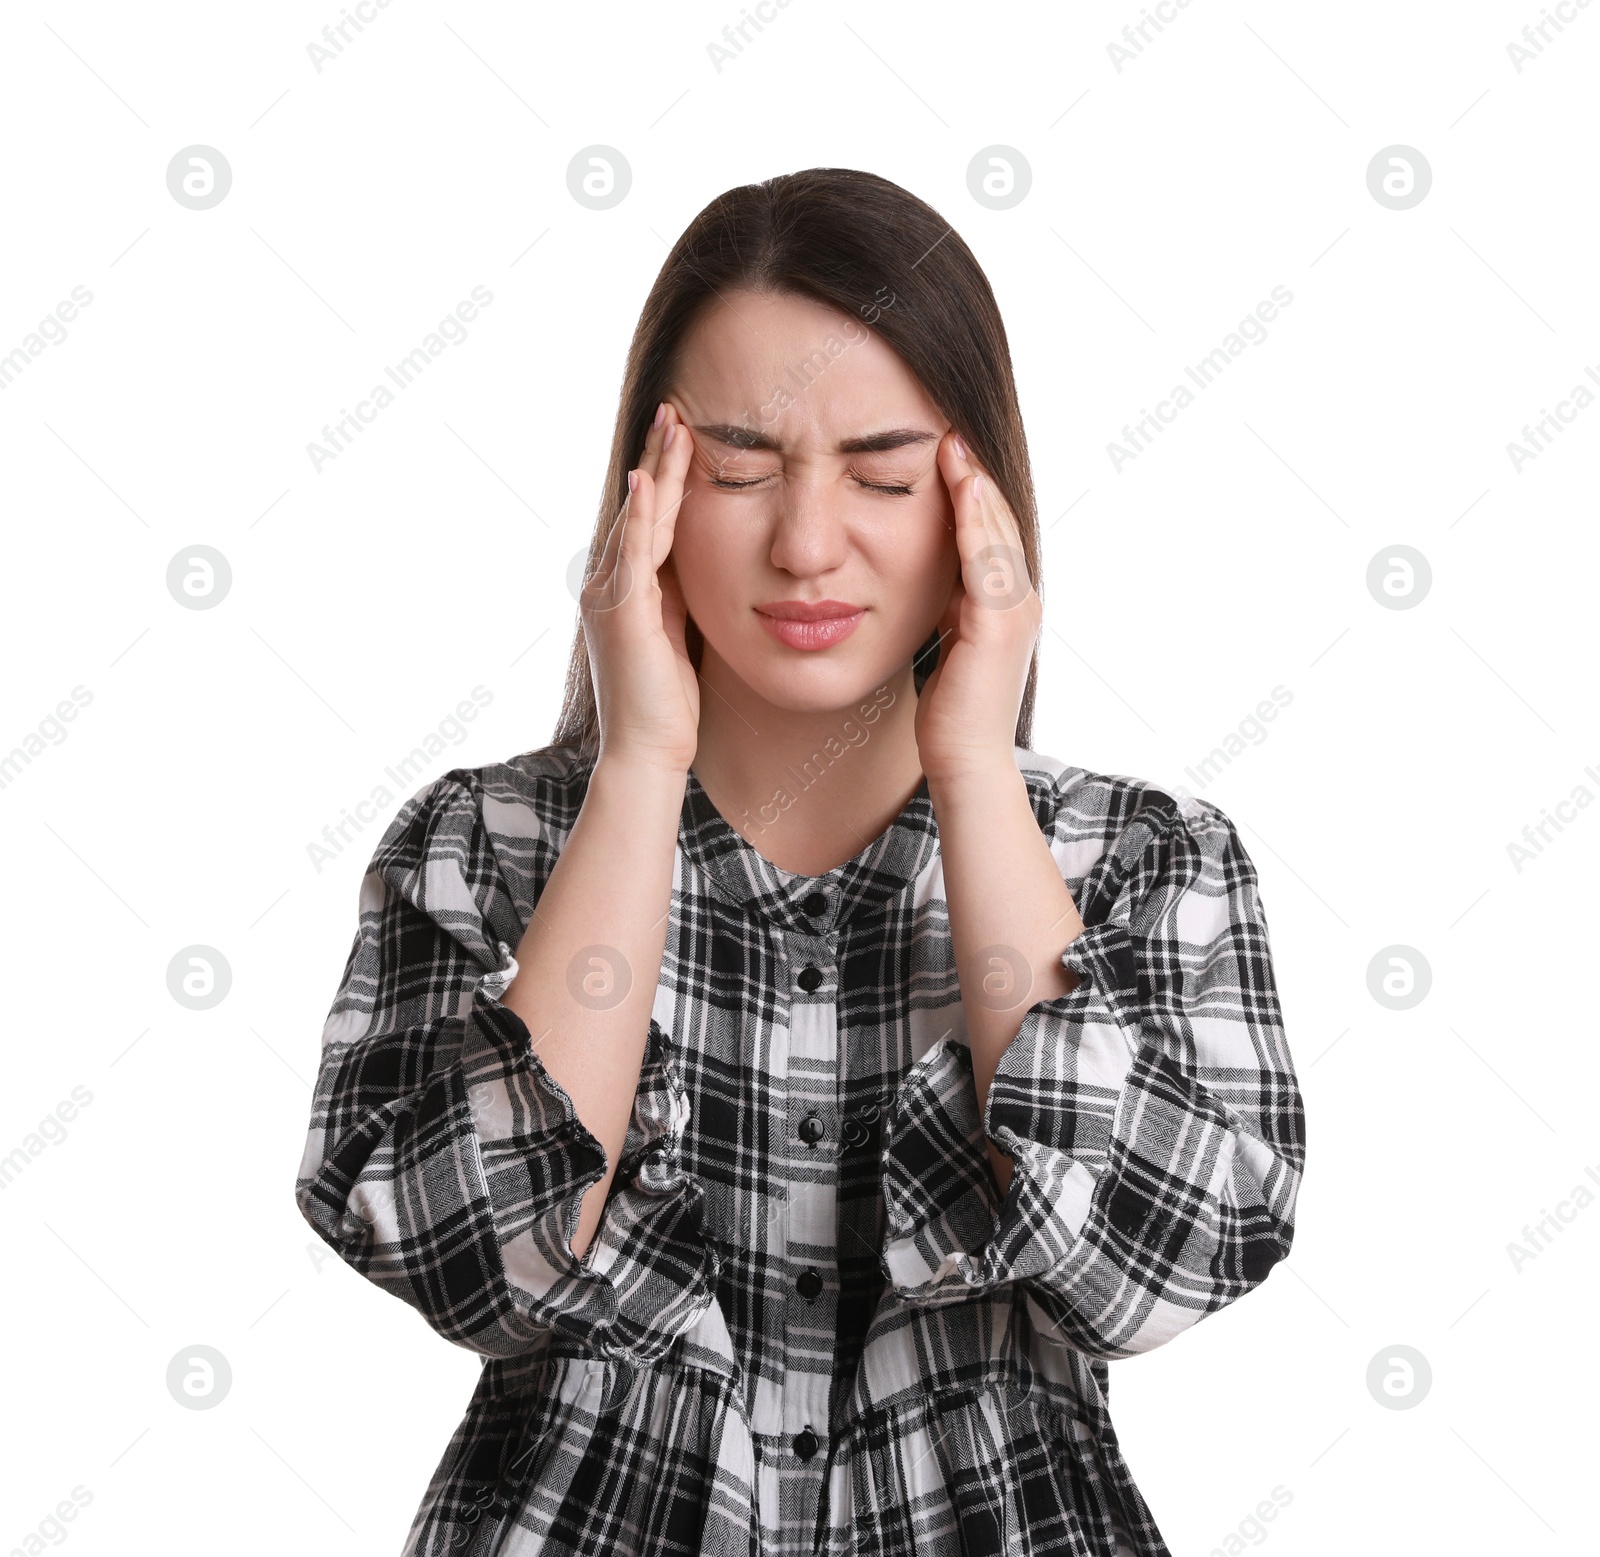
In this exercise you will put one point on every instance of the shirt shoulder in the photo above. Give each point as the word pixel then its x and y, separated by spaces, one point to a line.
pixel 499 828
pixel 533 794
pixel 1145 828
pixel 1070 796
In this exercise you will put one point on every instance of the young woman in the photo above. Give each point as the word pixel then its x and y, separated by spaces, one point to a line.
pixel 792 1086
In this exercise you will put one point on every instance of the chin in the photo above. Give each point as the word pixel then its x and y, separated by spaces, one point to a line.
pixel 816 683
pixel 799 681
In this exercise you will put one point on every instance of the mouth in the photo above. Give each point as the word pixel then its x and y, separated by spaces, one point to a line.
pixel 810 625
pixel 809 610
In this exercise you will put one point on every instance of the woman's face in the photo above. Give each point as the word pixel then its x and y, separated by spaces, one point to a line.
pixel 813 480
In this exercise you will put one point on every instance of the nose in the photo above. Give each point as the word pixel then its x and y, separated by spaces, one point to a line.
pixel 811 534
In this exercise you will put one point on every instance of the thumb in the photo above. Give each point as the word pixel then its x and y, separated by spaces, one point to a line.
pixel 949 623
pixel 674 612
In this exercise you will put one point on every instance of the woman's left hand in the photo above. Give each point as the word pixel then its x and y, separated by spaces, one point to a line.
pixel 966 717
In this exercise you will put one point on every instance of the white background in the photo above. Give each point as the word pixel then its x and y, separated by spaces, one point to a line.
pixel 1168 198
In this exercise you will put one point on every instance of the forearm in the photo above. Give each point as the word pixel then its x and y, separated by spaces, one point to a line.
pixel 600 925
pixel 1011 915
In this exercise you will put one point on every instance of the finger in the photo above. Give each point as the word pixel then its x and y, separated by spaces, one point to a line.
pixel 635 562
pixel 650 456
pixel 648 463
pixel 619 566
pixel 987 532
pixel 649 460
pixel 605 564
pixel 955 461
pixel 674 613
pixel 975 536
pixel 967 478
pixel 677 452
pixel 949 623
pixel 670 481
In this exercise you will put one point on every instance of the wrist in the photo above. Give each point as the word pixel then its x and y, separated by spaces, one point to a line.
pixel 976 779
pixel 645 796
pixel 650 767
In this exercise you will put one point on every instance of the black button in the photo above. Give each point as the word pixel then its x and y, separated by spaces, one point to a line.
pixel 809 1284
pixel 816 904
pixel 805 1443
pixel 809 978
pixel 812 1129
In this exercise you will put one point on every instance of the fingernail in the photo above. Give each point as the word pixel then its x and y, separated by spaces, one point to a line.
pixel 666 443
pixel 633 481
pixel 661 412
pixel 977 486
pixel 961 448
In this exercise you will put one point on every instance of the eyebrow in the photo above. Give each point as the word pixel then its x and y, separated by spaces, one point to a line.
pixel 872 443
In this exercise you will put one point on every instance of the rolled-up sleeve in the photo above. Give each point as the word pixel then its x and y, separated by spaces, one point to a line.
pixel 1152 1115
pixel 446 1164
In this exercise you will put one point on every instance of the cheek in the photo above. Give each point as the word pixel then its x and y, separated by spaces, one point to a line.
pixel 712 547
pixel 926 560
pixel 930 577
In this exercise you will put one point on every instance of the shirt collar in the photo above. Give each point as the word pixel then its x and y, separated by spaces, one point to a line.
pixel 810 905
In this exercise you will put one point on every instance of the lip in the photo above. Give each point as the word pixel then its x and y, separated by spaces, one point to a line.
pixel 810 624
pixel 809 610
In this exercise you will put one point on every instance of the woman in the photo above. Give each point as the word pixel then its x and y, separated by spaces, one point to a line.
pixel 792 1086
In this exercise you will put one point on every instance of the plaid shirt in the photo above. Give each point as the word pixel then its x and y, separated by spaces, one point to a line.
pixel 807 1322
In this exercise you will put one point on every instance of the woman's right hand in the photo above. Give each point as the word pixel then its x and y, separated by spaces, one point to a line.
pixel 646 691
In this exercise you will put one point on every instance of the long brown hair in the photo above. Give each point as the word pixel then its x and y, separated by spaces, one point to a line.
pixel 878 254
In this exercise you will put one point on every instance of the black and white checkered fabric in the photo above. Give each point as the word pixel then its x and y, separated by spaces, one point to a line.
pixel 808 1322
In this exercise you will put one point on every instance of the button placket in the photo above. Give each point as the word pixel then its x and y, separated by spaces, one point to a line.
pixel 806 1284
pixel 814 955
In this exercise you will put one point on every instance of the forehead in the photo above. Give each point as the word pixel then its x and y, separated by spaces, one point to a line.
pixel 796 368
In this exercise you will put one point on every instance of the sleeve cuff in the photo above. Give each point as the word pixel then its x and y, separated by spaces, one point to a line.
pixel 648 1273
pixel 1050 1107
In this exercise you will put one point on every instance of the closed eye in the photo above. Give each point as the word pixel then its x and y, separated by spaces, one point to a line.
pixel 871 486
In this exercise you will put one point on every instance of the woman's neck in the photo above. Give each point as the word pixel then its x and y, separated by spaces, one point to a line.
pixel 809 791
